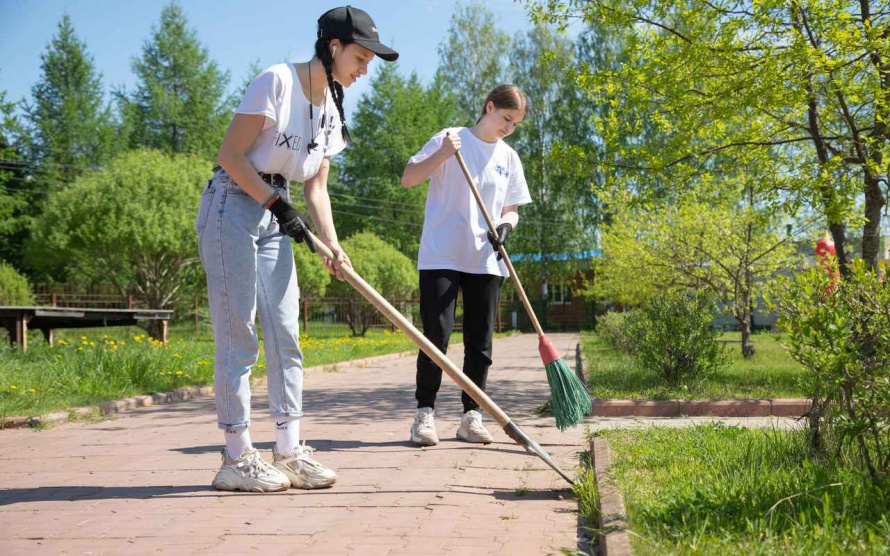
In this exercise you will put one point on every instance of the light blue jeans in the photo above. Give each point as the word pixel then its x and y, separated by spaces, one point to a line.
pixel 250 267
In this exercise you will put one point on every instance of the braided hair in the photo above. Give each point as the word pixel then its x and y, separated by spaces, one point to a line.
pixel 323 52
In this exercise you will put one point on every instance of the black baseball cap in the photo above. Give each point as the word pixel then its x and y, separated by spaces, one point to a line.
pixel 352 24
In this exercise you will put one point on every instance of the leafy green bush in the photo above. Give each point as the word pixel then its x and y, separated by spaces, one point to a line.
pixel 673 336
pixel 14 288
pixel 382 266
pixel 612 327
pixel 841 335
pixel 130 223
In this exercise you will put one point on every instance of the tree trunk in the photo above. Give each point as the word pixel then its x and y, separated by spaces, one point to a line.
pixel 747 348
pixel 871 231
pixel 839 235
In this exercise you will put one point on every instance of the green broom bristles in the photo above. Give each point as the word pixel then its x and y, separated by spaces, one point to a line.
pixel 569 400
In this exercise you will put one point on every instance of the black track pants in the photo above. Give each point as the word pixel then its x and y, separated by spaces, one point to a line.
pixel 438 301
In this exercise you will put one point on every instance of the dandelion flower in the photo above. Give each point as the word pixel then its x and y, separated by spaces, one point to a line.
pixel 13 387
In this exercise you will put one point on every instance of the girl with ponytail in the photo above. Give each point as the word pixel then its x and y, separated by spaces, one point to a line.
pixel 288 126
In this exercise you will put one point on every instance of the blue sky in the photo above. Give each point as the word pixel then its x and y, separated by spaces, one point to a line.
pixel 236 32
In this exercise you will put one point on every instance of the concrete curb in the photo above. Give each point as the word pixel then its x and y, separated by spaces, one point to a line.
pixel 178 395
pixel 612 517
pixel 108 408
pixel 787 407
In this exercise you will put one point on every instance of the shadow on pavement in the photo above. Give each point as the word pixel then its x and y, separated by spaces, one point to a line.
pixel 78 493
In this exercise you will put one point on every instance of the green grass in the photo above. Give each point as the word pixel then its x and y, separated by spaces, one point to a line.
pixel 718 490
pixel 770 374
pixel 111 364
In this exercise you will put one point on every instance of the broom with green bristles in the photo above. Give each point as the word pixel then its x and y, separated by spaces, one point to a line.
pixel 569 399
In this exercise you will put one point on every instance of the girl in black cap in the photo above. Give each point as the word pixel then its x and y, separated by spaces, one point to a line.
pixel 288 126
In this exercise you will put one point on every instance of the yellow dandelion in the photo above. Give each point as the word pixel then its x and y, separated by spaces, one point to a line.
pixel 178 373
pixel 13 387
pixel 62 342
pixel 92 344
pixel 161 373
pixel 31 390
pixel 80 348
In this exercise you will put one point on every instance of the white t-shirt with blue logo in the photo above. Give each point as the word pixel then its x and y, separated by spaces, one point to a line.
pixel 455 235
pixel 280 148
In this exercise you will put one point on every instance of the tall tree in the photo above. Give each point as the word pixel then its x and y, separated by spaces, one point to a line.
pixel 13 201
pixel 71 126
pixel 728 247
pixel 561 222
pixel 254 69
pixel 180 103
pixel 804 85
pixel 471 59
pixel 392 122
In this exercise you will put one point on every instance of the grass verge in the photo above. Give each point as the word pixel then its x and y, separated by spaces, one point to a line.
pixel 771 373
pixel 91 366
pixel 718 490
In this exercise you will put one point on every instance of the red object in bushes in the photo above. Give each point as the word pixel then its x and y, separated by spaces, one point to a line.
pixel 826 254
pixel 825 247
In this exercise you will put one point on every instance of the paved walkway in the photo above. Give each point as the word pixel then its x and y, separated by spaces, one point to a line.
pixel 139 484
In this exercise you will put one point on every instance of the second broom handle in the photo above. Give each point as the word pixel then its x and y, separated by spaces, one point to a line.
pixel 501 248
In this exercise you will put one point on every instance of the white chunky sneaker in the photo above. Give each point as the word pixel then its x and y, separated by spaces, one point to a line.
pixel 249 473
pixel 423 429
pixel 302 470
pixel 471 429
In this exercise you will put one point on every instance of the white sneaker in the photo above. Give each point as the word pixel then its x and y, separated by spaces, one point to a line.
pixel 249 473
pixel 423 429
pixel 302 470
pixel 471 429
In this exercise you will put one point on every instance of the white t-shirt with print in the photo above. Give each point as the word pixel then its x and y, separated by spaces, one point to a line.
pixel 280 148
pixel 455 235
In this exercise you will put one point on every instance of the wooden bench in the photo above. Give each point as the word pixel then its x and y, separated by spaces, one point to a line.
pixel 18 320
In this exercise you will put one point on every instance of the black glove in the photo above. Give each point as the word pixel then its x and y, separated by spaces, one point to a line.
pixel 290 221
pixel 503 231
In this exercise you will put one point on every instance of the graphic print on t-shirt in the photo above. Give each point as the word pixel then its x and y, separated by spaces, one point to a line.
pixel 286 140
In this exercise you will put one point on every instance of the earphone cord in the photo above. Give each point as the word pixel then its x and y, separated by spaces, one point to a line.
pixel 312 144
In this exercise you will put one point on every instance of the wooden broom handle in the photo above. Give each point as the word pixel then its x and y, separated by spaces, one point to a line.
pixel 501 248
pixel 414 335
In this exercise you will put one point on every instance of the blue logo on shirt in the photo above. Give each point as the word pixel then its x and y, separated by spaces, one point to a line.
pixel 501 171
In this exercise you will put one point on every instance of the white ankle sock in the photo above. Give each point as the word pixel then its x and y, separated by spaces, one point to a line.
pixel 236 443
pixel 287 436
